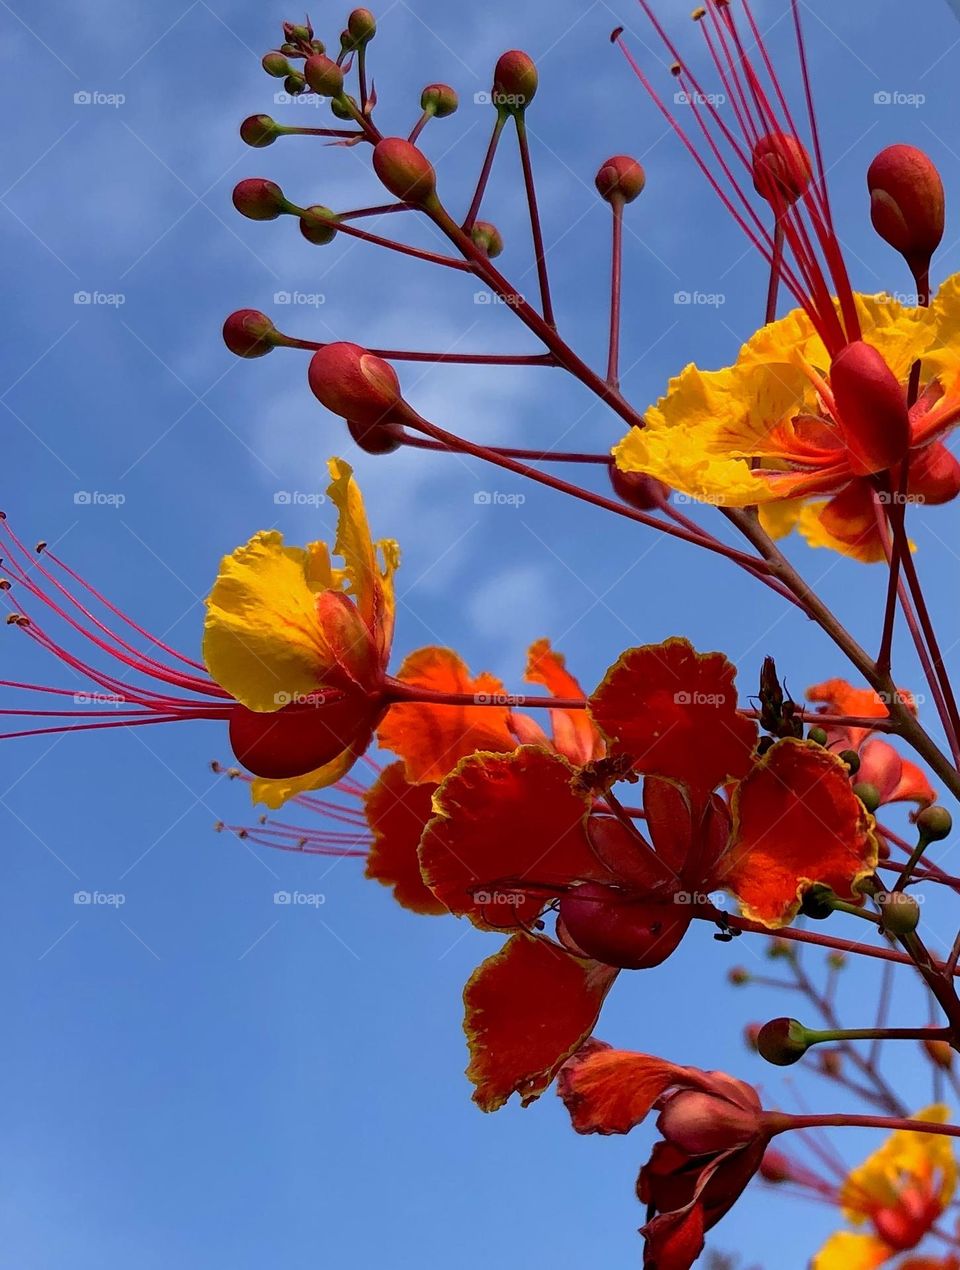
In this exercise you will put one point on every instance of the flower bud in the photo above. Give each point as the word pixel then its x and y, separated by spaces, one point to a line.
pixel 941 1053
pixel 440 99
pixel 323 75
pixel 259 199
pixel 620 178
pixel 831 1063
pixel 700 1124
pixel 776 1167
pixel 354 384
pixel 907 202
pixel 620 931
pixel 899 912
pixel 362 26
pixel 780 950
pixel 781 168
pixel 934 823
pixel 298 32
pixel 406 171
pixel 275 64
pixel 738 976
pixel 818 902
pixel 376 438
pixel 643 492
pixel 318 225
pixel 818 736
pixel 868 794
pixel 487 238
pixel 836 960
pixel 259 131
pixel 751 1035
pixel 852 760
pixel 782 1042
pixel 249 333
pixel 872 409
pixel 292 50
pixel 345 107
pixel 294 84
pixel 515 81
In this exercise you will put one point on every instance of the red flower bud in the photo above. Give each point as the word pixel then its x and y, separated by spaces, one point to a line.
pixel 376 438
pixel 620 177
pixel 440 99
pixel 776 1166
pixel 323 75
pixel 318 225
pixel 871 407
pixel 406 171
pixel 620 931
pixel 515 81
pixel 782 1042
pixel 643 492
pixel 354 384
pixel 907 202
pixel 941 1053
pixel 259 131
pixel 362 26
pixel 249 333
pixel 781 168
pixel 259 199
pixel 487 238
pixel 275 64
pixel 701 1124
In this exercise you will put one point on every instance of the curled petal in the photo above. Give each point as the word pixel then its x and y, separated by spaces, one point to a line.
pixel 274 793
pixel 896 778
pixel 574 734
pixel 397 813
pixel 528 1008
pixel 369 581
pixel 847 524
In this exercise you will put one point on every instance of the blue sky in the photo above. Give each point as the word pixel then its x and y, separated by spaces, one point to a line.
pixel 191 1078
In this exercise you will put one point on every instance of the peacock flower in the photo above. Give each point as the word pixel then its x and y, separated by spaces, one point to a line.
pixel 900 1192
pixel 515 835
pixel 818 408
pixel 895 778
pixel 713 1131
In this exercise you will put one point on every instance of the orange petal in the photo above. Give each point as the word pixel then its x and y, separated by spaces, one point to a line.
pixel 797 822
pixel 674 712
pixel 896 778
pixel 840 697
pixel 508 836
pixel 528 1008
pixel 608 1090
pixel 847 523
pixel 397 813
pixel 432 739
pixel 573 732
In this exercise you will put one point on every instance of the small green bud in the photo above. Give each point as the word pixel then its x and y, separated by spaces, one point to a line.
pixel 899 912
pixel 275 64
pixel 868 794
pixel 852 760
pixel 818 736
pixel 934 823
pixel 318 225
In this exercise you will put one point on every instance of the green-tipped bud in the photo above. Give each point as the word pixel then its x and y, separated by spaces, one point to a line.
pixel 852 760
pixel 259 199
pixel 345 107
pixel 783 1042
pixel 318 225
pixel 362 26
pixel 818 736
pixel 276 64
pixel 515 82
pixel 819 902
pixel 899 912
pixel 487 238
pixel 259 131
pixel 620 178
pixel 836 961
pixel 323 75
pixel 780 950
pixel 439 99
pixel 868 794
pixel 934 824
pixel 249 333
pixel 294 84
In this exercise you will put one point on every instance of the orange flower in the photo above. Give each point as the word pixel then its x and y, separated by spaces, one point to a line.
pixel 714 1138
pixel 895 778
pixel 516 834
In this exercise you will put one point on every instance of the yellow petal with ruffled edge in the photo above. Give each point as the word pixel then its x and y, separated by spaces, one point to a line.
pixel 275 793
pixel 701 436
pixel 780 519
pixel 907 1156
pixel 846 1251
pixel 943 359
pixel 369 566
pixel 262 640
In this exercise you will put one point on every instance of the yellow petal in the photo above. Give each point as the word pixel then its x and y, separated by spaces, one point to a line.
pixel 262 639
pixel 274 794
pixel 779 519
pixel 369 582
pixel 905 1156
pixel 846 1251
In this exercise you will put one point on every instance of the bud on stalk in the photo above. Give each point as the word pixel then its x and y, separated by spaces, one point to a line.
pixel 354 384
pixel 907 204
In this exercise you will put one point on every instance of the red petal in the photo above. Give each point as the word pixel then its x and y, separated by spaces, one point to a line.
pixel 674 712
pixel 897 779
pixel 840 697
pixel 300 737
pixel 573 732
pixel 934 475
pixel 528 1008
pixel 850 518
pixel 397 813
pixel 432 739
pixel 669 821
pixel 797 821
pixel 511 829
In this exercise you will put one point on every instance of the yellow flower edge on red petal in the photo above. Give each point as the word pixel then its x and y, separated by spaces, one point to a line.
pixel 397 813
pixel 796 823
pixel 264 640
pixel 574 734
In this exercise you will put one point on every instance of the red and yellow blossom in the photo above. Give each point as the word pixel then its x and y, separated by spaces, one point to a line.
pixel 900 1193
pixel 895 778
pixel 517 834
pixel 713 1140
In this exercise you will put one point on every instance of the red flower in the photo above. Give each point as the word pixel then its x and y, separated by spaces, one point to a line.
pixel 714 1138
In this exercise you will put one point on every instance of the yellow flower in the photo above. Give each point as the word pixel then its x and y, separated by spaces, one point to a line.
pixel 303 648
pixel 767 430
pixel 901 1190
